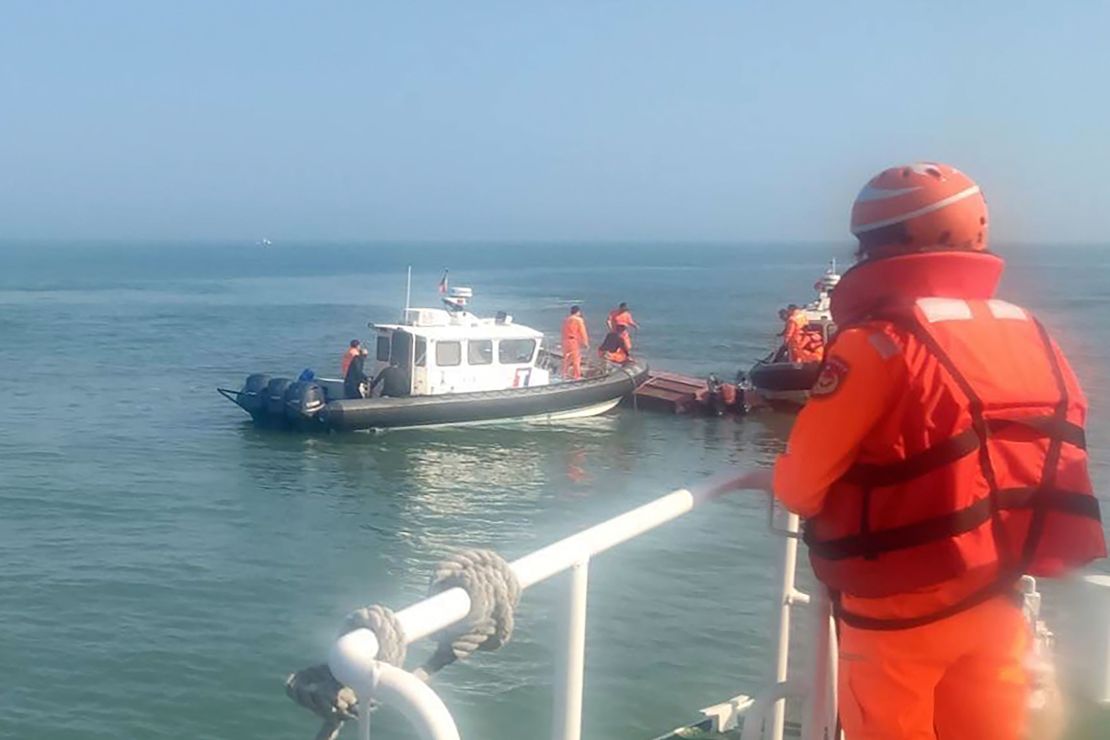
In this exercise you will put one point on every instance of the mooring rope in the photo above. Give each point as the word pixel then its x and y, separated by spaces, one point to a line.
pixel 494 593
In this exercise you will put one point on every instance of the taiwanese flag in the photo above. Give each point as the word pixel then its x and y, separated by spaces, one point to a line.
pixel 443 283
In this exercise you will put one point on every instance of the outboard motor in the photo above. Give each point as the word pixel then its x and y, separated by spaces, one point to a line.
pixel 303 400
pixel 275 397
pixel 252 397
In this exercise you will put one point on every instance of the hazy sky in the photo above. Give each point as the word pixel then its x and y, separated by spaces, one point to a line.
pixel 535 120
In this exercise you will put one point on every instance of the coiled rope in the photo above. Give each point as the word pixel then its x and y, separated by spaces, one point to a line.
pixel 494 593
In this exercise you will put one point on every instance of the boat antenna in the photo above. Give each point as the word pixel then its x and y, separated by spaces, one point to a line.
pixel 408 292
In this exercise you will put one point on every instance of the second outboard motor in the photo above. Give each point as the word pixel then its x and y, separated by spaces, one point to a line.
pixel 252 397
pixel 275 397
pixel 303 400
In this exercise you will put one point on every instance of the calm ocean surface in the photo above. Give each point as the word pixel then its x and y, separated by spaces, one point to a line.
pixel 164 565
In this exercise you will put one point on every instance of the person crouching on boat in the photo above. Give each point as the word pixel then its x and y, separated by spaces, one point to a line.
pixel 395 382
pixel 352 352
pixel 575 340
pixel 354 381
pixel 941 456
pixel 617 347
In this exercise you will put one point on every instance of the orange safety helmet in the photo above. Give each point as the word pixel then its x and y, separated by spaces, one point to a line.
pixel 920 207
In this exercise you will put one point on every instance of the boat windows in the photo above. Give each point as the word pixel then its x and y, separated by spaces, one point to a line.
pixel 421 352
pixel 448 354
pixel 479 352
pixel 515 351
pixel 383 348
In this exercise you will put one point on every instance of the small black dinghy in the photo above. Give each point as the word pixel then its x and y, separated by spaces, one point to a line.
pixel 448 367
pixel 783 379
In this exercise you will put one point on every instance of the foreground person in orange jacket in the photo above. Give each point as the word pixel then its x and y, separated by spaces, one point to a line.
pixel 940 456
pixel 575 339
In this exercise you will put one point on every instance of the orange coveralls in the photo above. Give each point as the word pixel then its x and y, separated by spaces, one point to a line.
pixel 795 339
pixel 960 678
pixel 575 339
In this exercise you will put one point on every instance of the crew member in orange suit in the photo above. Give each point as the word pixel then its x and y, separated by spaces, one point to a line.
pixel 801 344
pixel 621 316
pixel 575 339
pixel 352 352
pixel 941 456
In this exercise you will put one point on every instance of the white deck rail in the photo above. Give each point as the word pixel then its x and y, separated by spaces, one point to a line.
pixel 353 657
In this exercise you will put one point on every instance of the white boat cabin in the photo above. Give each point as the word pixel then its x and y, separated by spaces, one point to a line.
pixel 450 350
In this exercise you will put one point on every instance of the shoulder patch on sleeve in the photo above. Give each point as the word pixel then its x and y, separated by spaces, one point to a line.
pixel 828 381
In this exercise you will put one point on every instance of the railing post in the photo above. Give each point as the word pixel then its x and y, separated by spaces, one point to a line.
pixel 820 724
pixel 787 596
pixel 567 716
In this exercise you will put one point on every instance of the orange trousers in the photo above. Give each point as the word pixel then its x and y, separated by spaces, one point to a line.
pixel 572 365
pixel 962 678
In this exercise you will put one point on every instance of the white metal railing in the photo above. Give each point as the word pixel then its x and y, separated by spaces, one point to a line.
pixel 353 657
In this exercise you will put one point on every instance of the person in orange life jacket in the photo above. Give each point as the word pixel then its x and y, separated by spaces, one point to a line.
pixel 621 316
pixel 575 339
pixel 617 347
pixel 352 352
pixel 797 339
pixel 941 456
pixel 355 378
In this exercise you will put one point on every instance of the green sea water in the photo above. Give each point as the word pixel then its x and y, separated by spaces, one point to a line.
pixel 164 564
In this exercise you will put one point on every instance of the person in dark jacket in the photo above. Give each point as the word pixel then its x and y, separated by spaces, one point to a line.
pixel 617 347
pixel 395 382
pixel 355 377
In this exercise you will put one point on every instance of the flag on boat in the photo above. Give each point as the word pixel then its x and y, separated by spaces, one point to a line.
pixel 443 283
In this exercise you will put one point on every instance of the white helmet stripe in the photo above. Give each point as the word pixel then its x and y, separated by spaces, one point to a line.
pixel 869 193
pixel 919 212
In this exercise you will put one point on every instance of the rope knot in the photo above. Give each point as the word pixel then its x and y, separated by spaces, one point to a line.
pixel 494 592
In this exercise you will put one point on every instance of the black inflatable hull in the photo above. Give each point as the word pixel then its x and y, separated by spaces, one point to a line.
pixel 781 385
pixel 549 402
pixel 784 376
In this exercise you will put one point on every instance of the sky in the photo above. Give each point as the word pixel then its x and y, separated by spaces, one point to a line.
pixel 532 120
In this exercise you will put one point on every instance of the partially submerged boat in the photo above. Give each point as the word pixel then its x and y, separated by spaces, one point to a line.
pixel 778 381
pixel 460 369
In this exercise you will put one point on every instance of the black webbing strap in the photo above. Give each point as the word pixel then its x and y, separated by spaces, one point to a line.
pixel 959 446
pixel 1051 458
pixel 874 543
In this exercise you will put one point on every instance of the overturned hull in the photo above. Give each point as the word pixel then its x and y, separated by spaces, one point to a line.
pixel 307 406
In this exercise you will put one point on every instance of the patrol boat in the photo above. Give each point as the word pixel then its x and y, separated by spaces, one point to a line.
pixel 777 381
pixel 460 369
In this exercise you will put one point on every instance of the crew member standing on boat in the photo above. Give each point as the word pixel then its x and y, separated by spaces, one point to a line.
pixel 795 336
pixel 940 456
pixel 617 347
pixel 352 352
pixel 621 316
pixel 575 340
pixel 355 376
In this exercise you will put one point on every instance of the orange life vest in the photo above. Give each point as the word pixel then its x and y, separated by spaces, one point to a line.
pixel 620 317
pixel 349 355
pixel 981 478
